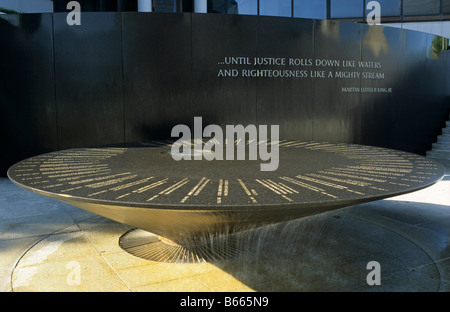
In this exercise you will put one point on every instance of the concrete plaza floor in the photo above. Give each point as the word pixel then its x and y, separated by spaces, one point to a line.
pixel 47 246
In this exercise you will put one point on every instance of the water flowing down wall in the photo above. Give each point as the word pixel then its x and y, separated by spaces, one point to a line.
pixel 126 77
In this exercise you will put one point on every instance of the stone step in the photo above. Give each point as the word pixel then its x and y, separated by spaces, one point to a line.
pixel 446 130
pixel 447 123
pixel 443 138
pixel 439 154
pixel 441 146
pixel 444 162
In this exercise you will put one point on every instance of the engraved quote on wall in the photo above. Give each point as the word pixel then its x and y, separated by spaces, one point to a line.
pixel 302 68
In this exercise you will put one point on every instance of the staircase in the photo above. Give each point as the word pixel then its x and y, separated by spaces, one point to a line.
pixel 441 149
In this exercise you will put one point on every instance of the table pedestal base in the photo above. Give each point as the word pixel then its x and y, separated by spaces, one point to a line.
pixel 153 247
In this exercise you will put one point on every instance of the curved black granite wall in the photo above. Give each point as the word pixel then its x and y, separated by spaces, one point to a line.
pixel 124 77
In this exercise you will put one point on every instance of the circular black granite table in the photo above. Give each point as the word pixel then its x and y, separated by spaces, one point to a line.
pixel 184 203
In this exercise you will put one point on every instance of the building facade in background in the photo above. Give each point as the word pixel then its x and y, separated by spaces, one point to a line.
pixel 432 16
